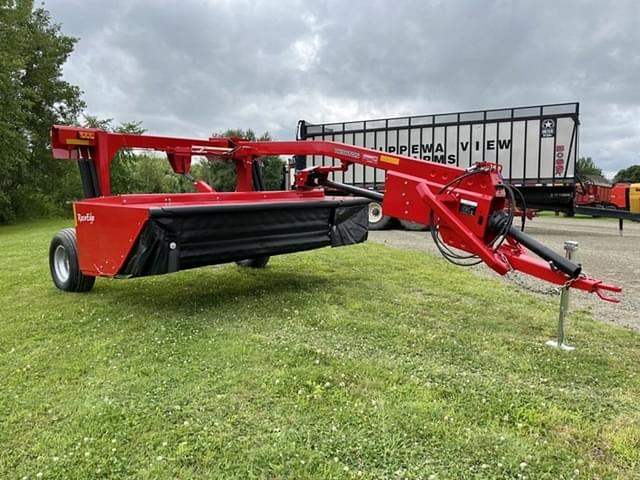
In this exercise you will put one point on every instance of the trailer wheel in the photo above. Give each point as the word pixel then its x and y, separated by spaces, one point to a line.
pixel 257 262
pixel 64 265
pixel 413 226
pixel 377 220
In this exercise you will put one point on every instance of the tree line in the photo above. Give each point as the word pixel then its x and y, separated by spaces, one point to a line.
pixel 586 167
pixel 136 172
pixel 34 96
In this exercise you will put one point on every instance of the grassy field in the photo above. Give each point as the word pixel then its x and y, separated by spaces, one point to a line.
pixel 359 362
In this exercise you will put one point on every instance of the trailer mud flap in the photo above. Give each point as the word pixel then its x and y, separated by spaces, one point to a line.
pixel 179 238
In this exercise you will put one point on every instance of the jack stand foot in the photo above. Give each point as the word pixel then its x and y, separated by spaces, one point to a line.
pixel 569 248
pixel 561 346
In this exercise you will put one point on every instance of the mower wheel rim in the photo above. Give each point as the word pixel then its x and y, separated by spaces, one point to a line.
pixel 375 212
pixel 61 263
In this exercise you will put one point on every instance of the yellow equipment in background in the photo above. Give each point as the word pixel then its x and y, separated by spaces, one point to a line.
pixel 634 198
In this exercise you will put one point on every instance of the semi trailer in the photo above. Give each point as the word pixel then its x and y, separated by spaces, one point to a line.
pixel 471 211
pixel 536 147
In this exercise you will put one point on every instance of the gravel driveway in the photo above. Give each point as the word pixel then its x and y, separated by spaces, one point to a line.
pixel 603 252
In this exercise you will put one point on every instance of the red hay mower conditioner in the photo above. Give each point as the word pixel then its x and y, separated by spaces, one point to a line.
pixel 471 212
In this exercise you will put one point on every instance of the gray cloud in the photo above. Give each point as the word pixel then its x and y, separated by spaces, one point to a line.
pixel 196 66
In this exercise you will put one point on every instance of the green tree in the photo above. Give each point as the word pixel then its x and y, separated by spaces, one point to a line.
pixel 33 96
pixel 125 164
pixel 13 144
pixel 629 174
pixel 135 171
pixel 586 166
pixel 222 176
pixel 92 121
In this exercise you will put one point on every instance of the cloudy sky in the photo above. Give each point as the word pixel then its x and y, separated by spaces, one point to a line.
pixel 192 67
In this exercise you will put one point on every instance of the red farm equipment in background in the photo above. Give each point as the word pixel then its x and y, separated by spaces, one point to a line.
pixel 593 194
pixel 620 196
pixel 471 212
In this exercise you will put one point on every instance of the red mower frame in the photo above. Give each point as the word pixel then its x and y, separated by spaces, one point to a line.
pixel 469 210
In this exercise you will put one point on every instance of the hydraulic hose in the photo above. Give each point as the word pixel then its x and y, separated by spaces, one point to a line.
pixel 362 192
pixel 497 224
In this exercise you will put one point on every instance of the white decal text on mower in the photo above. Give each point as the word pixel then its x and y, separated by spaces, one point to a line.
pixel 86 217
pixel 347 153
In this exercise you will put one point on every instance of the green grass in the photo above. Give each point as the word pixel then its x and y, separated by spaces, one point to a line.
pixel 358 362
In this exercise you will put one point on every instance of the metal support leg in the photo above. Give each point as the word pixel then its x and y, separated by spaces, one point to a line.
pixel 569 248
pixel 620 225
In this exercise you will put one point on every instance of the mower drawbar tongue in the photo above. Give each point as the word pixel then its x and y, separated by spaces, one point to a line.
pixel 497 224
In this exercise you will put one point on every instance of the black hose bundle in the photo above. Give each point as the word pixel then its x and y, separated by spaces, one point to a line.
pixel 466 259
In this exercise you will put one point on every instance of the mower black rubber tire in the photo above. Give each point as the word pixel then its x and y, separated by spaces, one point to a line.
pixel 257 262
pixel 64 264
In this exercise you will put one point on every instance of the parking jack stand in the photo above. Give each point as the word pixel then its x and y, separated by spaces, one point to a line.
pixel 569 248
